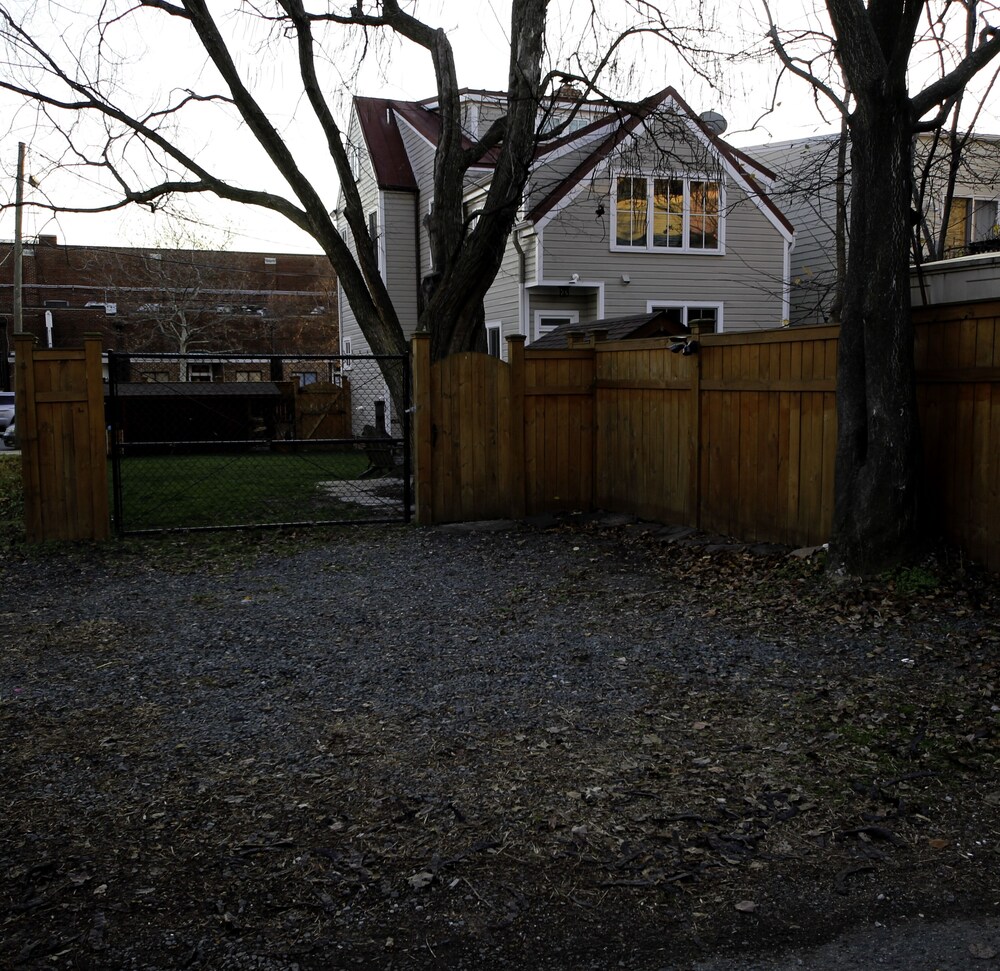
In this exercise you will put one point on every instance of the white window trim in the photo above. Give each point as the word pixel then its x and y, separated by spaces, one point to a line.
pixel 347 364
pixel 567 316
pixel 653 305
pixel 380 251
pixel 496 325
pixel 686 249
pixel 427 233
pixel 970 219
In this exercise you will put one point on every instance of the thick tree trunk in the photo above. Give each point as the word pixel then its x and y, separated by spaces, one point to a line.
pixel 878 443
pixel 468 262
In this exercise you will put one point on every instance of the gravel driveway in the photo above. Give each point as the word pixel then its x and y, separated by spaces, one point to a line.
pixel 494 747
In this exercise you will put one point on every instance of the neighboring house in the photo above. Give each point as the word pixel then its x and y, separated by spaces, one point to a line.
pixel 806 189
pixel 149 299
pixel 630 213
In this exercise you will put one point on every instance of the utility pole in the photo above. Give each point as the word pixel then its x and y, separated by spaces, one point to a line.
pixel 18 247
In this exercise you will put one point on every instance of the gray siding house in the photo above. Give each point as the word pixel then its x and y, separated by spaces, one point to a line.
pixel 629 214
pixel 805 187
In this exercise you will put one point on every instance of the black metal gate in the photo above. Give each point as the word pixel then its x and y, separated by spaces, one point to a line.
pixel 212 441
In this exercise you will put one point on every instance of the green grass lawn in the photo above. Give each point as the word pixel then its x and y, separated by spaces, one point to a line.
pixel 168 491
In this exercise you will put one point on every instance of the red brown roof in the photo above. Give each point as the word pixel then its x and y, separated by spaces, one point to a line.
pixel 380 128
pixel 385 144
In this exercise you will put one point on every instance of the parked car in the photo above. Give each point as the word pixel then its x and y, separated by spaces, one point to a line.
pixel 10 436
pixel 6 408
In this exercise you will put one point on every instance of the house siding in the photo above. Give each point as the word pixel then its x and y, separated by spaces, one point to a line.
pixel 350 333
pixel 747 279
pixel 502 301
pixel 421 156
pixel 400 267
pixel 559 164
pixel 397 260
pixel 806 192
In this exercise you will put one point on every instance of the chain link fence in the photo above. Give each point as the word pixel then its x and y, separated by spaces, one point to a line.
pixel 209 441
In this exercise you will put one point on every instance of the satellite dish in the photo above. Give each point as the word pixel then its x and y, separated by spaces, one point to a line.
pixel 715 122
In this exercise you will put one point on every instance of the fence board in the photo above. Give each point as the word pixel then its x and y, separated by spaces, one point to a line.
pixel 740 438
pixel 991 548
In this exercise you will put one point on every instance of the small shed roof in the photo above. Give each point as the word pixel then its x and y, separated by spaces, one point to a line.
pixel 655 324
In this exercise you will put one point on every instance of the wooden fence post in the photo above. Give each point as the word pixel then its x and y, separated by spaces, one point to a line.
pixel 515 357
pixel 423 424
pixel 27 433
pixel 100 525
pixel 694 500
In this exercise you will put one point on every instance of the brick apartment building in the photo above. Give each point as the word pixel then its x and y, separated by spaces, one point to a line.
pixel 180 300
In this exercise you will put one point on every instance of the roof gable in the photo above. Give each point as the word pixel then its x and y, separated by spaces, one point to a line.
pixel 739 166
pixel 380 128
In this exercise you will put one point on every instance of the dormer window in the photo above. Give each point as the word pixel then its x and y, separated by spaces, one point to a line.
pixel 672 213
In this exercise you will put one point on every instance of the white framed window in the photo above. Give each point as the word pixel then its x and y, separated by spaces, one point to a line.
pixel 205 373
pixel 427 232
pixel 546 320
pixel 373 232
pixel 354 160
pixel 471 212
pixel 970 220
pixel 672 213
pixel 707 313
pixel 305 377
pixel 347 364
pixel 246 377
pixel 494 339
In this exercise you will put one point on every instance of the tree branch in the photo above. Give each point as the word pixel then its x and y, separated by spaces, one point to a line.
pixel 792 65
pixel 948 86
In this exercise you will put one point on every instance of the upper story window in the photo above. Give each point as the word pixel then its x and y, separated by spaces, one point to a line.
pixel 970 220
pixel 205 373
pixel 373 231
pixel 679 213
pixel 354 160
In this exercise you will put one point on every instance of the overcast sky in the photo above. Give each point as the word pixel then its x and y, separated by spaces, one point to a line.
pixel 478 30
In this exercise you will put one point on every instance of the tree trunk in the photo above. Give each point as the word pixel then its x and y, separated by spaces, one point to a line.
pixel 468 261
pixel 878 440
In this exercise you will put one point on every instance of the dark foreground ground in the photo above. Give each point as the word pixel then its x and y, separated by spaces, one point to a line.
pixel 553 746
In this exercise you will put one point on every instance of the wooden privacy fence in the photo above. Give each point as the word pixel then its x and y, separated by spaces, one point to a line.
pixel 739 438
pixel 59 407
pixel 958 392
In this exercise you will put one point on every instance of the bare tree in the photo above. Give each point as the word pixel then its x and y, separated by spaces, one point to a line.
pixel 143 152
pixel 878 482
